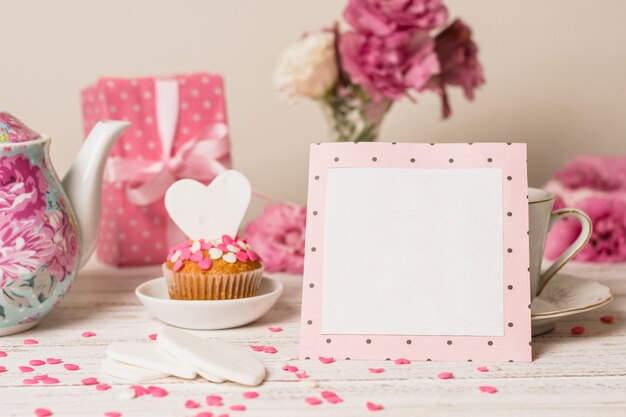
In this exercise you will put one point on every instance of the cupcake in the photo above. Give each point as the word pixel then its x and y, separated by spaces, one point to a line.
pixel 217 270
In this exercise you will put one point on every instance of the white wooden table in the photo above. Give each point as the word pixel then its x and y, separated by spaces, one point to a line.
pixel 577 375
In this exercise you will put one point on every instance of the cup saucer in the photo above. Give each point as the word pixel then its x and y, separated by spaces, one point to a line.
pixel 563 296
pixel 207 314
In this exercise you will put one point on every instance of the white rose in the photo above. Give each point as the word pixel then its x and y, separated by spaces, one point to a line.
pixel 308 68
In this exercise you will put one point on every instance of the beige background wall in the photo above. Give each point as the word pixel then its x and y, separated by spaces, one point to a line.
pixel 556 74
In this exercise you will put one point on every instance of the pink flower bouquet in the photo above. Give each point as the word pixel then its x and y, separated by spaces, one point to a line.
pixel 390 52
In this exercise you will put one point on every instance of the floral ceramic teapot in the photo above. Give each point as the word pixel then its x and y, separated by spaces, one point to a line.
pixel 48 227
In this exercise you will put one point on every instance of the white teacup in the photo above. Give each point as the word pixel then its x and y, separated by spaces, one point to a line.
pixel 541 218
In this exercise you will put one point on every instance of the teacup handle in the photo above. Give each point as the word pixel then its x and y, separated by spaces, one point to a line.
pixel 573 249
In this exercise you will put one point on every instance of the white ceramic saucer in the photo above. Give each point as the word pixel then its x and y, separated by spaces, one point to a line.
pixel 209 314
pixel 563 296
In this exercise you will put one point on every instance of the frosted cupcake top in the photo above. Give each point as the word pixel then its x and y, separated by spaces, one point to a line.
pixel 14 131
pixel 203 253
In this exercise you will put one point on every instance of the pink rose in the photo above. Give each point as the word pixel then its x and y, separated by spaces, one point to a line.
pixel 278 236
pixel 388 67
pixel 58 229
pixel 458 57
pixel 596 172
pixel 384 17
pixel 608 239
pixel 22 188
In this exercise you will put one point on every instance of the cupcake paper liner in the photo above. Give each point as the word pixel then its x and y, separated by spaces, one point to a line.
pixel 193 286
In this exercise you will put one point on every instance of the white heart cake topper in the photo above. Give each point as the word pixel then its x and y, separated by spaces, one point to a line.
pixel 209 212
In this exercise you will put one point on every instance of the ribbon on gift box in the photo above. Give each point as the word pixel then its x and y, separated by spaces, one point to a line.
pixel 199 158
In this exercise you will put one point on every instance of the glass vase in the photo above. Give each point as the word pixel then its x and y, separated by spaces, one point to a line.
pixel 354 118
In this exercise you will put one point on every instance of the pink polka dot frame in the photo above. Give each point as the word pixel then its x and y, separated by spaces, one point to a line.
pixel 515 343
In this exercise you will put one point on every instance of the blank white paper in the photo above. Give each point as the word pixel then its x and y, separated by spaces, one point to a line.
pixel 413 252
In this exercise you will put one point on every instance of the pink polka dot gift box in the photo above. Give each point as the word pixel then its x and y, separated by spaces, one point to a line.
pixel 179 130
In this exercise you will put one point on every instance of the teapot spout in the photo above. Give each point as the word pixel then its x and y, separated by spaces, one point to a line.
pixel 83 182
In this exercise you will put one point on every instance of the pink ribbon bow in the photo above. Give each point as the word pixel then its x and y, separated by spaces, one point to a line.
pixel 199 158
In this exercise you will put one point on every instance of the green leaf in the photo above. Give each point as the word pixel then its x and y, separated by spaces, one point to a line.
pixel 15 299
pixel 43 285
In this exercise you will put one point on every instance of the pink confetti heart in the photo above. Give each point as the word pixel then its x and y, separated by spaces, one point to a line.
pixel 313 400
pixel 482 369
pixel 157 391
pixel 53 361
pixel 191 404
pixel 488 389
pixel 152 336
pixel 242 256
pixel 42 412
pixel 71 367
pixel 103 387
pixel 275 329
pixel 112 414
pixel 206 414
pixel 326 360
pixel 445 375
pixel 50 381
pixel 377 370
pixel 40 377
pixel 36 362
pixel 238 407
pixel 250 394
pixel 302 375
pixel 3 368
pixel 139 390
pixel 374 407
pixel 3 354
pixel 25 369
pixel 334 400
pixel 215 400
pixel 31 342
pixel 290 368
pixel 270 349
pixel 326 394
pixel 257 348
pixel 608 319
pixel 577 330
pixel 89 381
pixel 402 361
pixel 88 334
pixel 29 381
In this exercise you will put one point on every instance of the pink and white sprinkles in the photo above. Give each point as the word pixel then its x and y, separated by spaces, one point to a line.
pixel 203 253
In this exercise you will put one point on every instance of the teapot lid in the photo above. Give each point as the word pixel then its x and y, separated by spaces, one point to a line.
pixel 14 131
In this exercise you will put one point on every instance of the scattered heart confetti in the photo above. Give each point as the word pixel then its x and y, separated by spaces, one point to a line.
pixel 207 414
pixel 302 375
pixel 157 391
pixel 327 393
pixel 139 390
pixel 257 348
pixel 25 369
pixel 215 400
pixel 103 387
pixel 31 342
pixel 40 377
pixel 608 319
pixel 29 381
pixel 89 381
pixel 482 369
pixel 152 336
pixel 54 361
pixel 331 397
pixel 42 412
pixel 290 368
pixel 250 394
pixel 36 362
pixel 270 349
pixel 377 370
pixel 50 381
pixel 3 354
pixel 88 334
pixel 275 329
pixel 238 407
pixel 71 367
pixel 112 414
pixel 3 368
pixel 326 360
pixel 488 389
pixel 313 400
pixel 192 404
pixel 577 330
pixel 445 375
pixel 374 407
pixel 402 361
